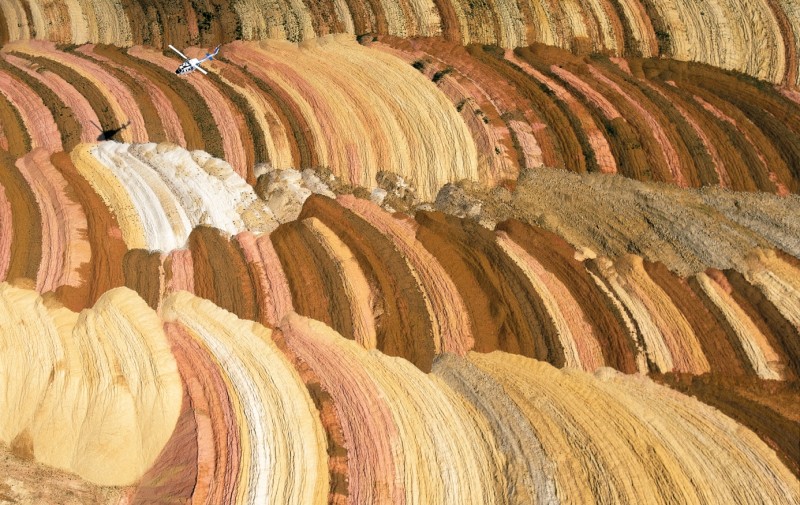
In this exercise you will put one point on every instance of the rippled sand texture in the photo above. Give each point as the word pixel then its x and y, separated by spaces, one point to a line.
pixel 431 111
pixel 758 37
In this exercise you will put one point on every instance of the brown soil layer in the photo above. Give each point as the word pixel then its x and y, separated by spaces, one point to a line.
pixel 505 312
pixel 186 102
pixel 221 273
pixel 94 96
pixel 782 335
pixel 255 148
pixel 26 246
pixel 648 119
pixel 19 142
pixel 559 258
pixel 778 430
pixel 144 274
pixel 68 125
pixel 152 121
pixel 769 120
pixel 402 324
pixel 313 277
pixel 722 351
pixel 105 271
pixel 569 153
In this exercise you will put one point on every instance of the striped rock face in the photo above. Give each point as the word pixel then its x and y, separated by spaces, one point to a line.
pixel 757 37
pixel 431 111
pixel 353 355
pixel 400 251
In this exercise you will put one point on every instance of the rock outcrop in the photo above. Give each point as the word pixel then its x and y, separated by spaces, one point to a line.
pixel 756 37
pixel 400 251
pixel 426 110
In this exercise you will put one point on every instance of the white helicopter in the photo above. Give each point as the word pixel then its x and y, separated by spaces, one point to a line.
pixel 192 64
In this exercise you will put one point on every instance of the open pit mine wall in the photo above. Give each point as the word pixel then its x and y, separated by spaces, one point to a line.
pixel 300 415
pixel 756 37
pixel 429 110
pixel 85 225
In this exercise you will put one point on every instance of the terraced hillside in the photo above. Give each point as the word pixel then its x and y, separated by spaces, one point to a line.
pixel 757 37
pixel 346 298
pixel 435 112
pixel 440 263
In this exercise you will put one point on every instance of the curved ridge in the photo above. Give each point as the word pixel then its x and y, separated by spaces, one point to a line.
pixel 758 38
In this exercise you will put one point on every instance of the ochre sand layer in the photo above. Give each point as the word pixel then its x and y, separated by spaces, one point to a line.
pixel 599 304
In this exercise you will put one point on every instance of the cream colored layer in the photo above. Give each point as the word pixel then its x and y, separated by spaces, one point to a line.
pixel 778 280
pixel 641 27
pixel 792 10
pixel 275 134
pixel 444 451
pixel 524 261
pixel 675 330
pixel 96 393
pixel 609 291
pixel 652 342
pixel 733 34
pixel 16 20
pixel 575 331
pixel 274 19
pixel 623 439
pixel 164 221
pixel 113 193
pixel 726 462
pixel 410 127
pixel 283 458
pixel 171 191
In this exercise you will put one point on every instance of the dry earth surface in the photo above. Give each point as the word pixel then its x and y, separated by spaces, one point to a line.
pixel 400 251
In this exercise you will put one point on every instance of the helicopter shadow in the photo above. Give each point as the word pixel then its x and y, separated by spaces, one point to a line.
pixel 109 134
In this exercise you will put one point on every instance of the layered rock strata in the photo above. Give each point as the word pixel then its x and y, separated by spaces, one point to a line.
pixel 756 37
pixel 437 112
pixel 422 288
pixel 242 427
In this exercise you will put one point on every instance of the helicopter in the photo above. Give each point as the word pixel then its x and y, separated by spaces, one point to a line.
pixel 192 64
